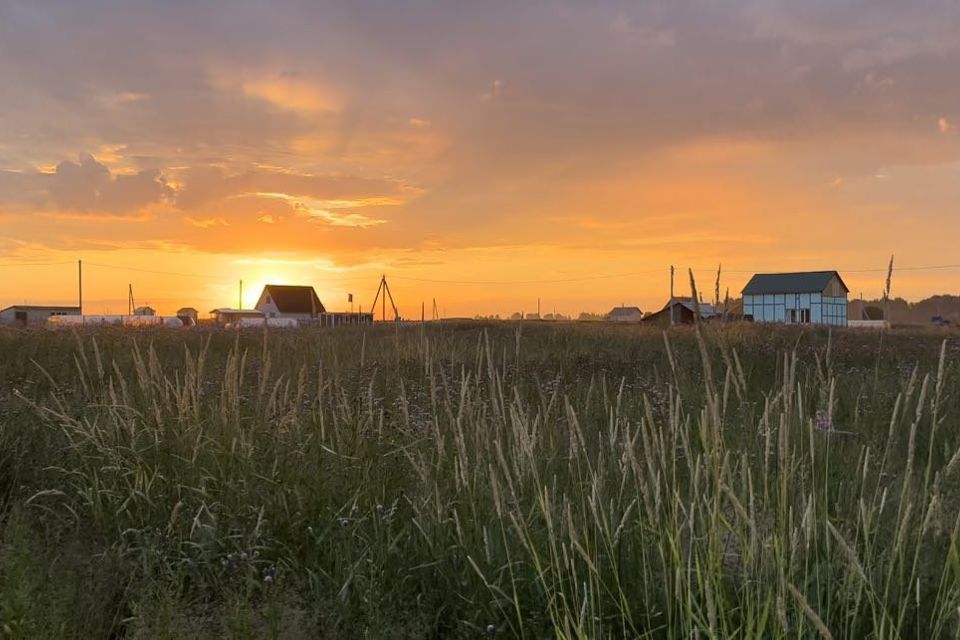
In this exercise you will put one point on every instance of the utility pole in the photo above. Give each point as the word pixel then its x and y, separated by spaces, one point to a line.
pixel 240 299
pixel 423 311
pixel 80 285
pixel 671 296
pixel 130 303
pixel 384 289
pixel 538 309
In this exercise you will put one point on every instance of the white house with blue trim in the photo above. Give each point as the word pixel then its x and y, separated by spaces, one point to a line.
pixel 811 297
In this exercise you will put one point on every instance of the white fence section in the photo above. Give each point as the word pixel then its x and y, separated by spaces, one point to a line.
pixel 868 324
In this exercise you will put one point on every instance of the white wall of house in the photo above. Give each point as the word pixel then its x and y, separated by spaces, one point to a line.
pixel 270 310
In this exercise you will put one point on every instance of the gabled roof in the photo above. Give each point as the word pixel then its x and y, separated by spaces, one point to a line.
pixel 800 282
pixel 706 309
pixel 292 298
pixel 624 311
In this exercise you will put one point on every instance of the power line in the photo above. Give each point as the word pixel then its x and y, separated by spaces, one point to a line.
pixel 545 281
pixel 158 272
pixel 610 276
pixel 840 270
pixel 221 279
pixel 35 264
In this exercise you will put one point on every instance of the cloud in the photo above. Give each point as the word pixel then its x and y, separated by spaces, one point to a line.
pixel 642 34
pixel 19 190
pixel 945 126
pixel 88 186
pixel 494 91
pixel 85 187
pixel 292 93
pixel 206 223
pixel 327 211
pixel 202 186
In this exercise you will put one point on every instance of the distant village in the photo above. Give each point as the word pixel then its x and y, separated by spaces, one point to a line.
pixel 800 298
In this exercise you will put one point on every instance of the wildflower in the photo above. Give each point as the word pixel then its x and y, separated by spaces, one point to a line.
pixel 267 579
pixel 491 629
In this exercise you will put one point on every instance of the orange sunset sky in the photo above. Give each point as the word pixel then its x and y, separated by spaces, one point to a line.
pixel 479 153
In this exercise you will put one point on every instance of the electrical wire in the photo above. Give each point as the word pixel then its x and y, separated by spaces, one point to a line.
pixel 35 264
pixel 610 276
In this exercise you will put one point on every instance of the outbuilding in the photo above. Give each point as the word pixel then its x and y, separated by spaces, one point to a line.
pixel 625 314
pixel 808 297
pixel 224 315
pixel 189 316
pixel 682 311
pixel 24 315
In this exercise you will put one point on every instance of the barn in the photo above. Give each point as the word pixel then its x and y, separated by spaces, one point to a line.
pixel 289 301
pixel 808 297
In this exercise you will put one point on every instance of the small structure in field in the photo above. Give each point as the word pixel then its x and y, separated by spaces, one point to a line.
pixel 145 311
pixel 289 301
pixel 809 297
pixel 25 315
pixel 189 316
pixel 859 310
pixel 682 311
pixel 625 314
pixel 225 315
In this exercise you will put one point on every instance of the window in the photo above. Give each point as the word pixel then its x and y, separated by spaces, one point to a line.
pixel 805 316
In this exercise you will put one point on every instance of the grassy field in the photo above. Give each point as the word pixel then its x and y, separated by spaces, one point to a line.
pixel 501 480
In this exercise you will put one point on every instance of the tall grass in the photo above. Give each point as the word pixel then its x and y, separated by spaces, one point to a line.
pixel 465 481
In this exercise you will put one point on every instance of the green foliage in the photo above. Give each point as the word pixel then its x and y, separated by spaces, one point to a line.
pixel 475 480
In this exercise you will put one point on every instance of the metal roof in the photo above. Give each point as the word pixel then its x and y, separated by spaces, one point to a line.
pixel 800 282
pixel 229 310
pixel 40 307
pixel 706 309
